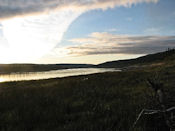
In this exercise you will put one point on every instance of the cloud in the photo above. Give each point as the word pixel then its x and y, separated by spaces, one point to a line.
pixel 106 43
pixel 11 8
pixel 129 18
pixel 152 31
pixel 44 24
pixel 112 30
pixel 36 34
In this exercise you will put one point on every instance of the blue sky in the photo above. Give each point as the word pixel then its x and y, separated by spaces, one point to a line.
pixel 76 31
pixel 135 20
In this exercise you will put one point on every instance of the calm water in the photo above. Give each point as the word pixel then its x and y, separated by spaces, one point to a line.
pixel 52 74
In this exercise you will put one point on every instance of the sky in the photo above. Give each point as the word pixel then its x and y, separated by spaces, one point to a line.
pixel 84 31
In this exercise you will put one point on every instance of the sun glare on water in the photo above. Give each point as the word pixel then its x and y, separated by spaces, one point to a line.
pixel 2 79
pixel 31 37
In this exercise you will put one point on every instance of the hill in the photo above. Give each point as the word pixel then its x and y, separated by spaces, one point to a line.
pixel 11 68
pixel 161 58
pixel 151 59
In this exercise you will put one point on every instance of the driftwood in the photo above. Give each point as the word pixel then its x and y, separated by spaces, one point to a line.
pixel 169 120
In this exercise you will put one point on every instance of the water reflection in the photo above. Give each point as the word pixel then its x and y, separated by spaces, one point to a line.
pixel 52 74
pixel 2 79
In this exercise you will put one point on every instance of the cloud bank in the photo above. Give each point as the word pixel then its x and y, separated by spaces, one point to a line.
pixel 106 43
pixel 12 8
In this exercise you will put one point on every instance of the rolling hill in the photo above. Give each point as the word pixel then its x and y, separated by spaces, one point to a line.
pixel 151 59
pixel 160 58
pixel 10 68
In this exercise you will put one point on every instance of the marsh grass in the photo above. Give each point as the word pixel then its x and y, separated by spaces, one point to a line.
pixel 98 102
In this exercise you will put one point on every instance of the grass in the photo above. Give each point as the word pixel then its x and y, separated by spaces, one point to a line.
pixel 98 102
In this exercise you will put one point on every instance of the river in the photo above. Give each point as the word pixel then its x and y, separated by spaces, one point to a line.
pixel 52 74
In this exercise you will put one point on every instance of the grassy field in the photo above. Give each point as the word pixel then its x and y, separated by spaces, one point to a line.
pixel 98 102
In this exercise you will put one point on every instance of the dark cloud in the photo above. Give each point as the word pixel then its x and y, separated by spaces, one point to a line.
pixel 120 44
pixel 11 8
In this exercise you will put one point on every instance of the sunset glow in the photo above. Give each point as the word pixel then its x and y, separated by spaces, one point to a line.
pixel 2 80
pixel 29 38
pixel 79 31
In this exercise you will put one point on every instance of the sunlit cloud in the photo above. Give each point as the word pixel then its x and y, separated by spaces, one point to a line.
pixel 31 37
pixel 31 28
pixel 105 43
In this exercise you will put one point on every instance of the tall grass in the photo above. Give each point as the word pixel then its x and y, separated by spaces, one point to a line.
pixel 98 102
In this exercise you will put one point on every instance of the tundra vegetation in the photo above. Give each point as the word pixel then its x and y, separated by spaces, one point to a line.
pixel 99 102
